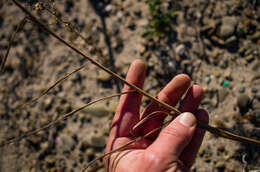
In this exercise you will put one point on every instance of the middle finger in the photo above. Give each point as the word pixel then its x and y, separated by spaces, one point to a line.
pixel 170 94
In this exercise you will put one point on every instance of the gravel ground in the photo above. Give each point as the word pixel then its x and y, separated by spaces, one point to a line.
pixel 215 42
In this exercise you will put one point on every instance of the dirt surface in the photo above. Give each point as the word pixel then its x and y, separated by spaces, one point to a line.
pixel 215 42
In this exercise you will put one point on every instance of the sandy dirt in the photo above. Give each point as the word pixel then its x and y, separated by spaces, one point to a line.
pixel 215 42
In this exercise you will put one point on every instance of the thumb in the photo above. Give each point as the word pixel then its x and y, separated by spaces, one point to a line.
pixel 175 137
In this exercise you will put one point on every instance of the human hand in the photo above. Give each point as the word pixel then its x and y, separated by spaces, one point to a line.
pixel 175 148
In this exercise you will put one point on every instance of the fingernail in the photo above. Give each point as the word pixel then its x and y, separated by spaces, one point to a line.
pixel 188 119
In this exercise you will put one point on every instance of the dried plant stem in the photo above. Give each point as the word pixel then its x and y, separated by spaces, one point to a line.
pixel 53 85
pixel 55 122
pixel 226 134
pixel 65 23
pixel 97 167
pixel 174 111
pixel 151 115
pixel 18 28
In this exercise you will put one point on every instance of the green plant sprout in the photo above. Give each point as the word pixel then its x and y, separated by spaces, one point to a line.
pixel 160 22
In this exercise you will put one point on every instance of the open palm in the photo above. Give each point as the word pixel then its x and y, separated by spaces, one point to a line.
pixel 175 148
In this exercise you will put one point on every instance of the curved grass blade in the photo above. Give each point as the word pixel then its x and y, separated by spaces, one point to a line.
pixel 66 24
pixel 52 86
pixel 18 28
pixel 146 119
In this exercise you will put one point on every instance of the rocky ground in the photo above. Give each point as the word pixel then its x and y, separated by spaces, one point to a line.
pixel 216 42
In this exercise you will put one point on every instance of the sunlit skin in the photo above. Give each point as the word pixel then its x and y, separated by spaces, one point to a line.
pixel 175 148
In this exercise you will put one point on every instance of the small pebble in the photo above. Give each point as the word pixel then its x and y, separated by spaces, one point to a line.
pixel 115 28
pixel 256 117
pixel 98 141
pixel 50 160
pixel 90 152
pixel 68 6
pixel 64 143
pixel 103 76
pixel 242 90
pixel 85 99
pixel 224 84
pixel 231 40
pixel 250 58
pixel 83 146
pixel 76 92
pixel 98 110
pixel 108 8
pixel 255 104
pixel 47 104
pixel 221 148
pixel 207 79
pixel 220 165
pixel 142 49
pixel 180 49
pixel 228 26
pixel 254 90
pixel 243 102
pixel 222 94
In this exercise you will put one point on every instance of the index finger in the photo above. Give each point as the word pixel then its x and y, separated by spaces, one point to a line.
pixel 127 113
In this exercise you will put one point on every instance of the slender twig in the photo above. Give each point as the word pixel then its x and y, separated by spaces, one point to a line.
pixel 146 119
pixel 245 163
pixel 174 113
pixel 53 85
pixel 18 28
pixel 65 23
pixel 52 123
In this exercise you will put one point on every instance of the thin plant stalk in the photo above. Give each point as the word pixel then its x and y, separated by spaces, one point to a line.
pixel 66 24
pixel 18 28
pixel 146 119
pixel 53 85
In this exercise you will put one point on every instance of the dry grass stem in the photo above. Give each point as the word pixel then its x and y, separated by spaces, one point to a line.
pixel 151 115
pixel 18 28
pixel 65 23
pixel 52 86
